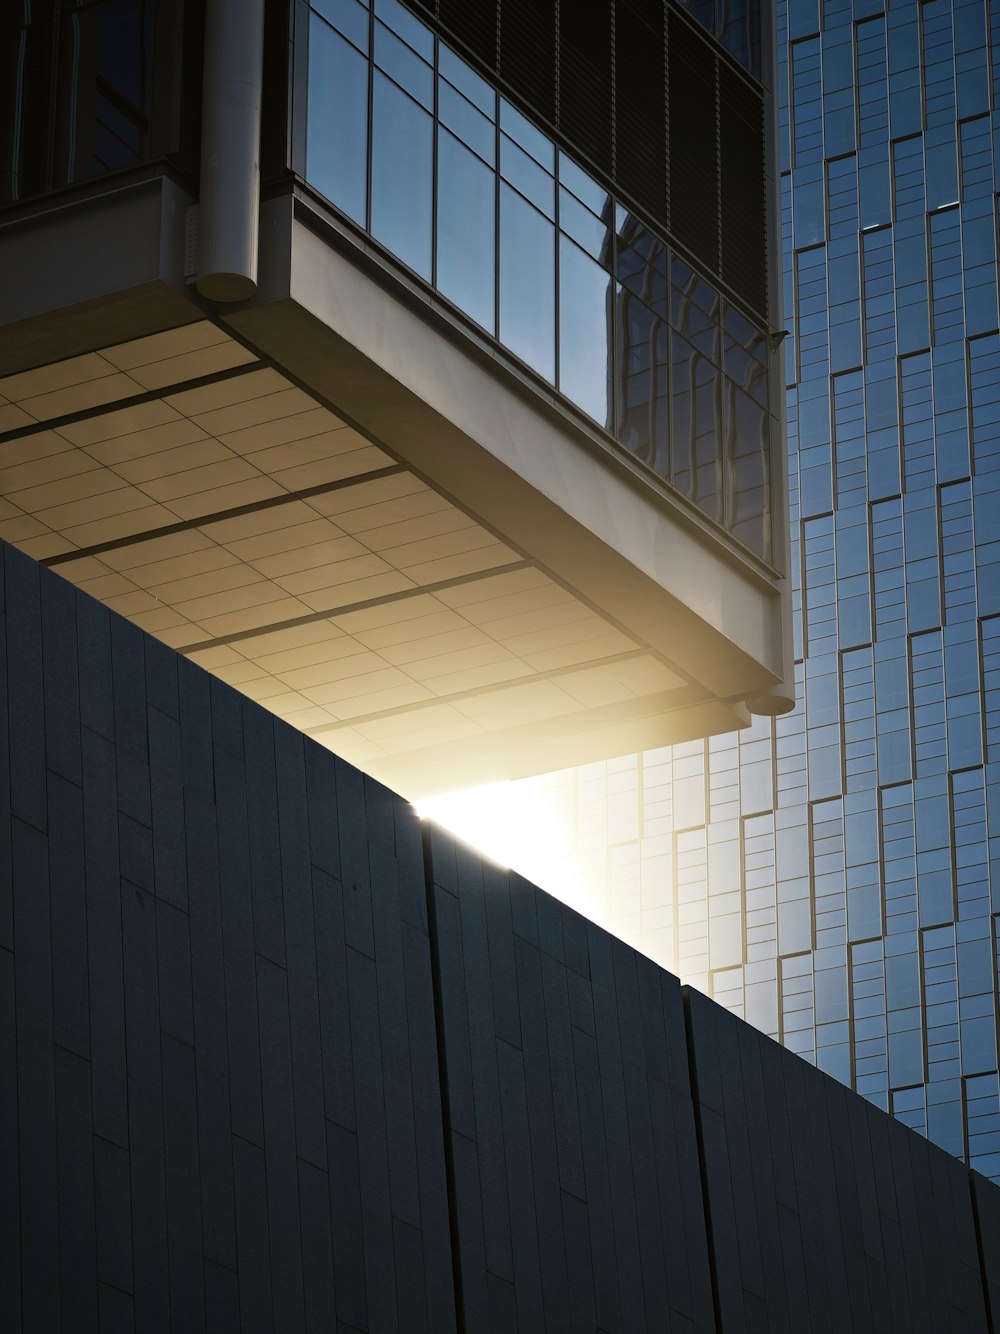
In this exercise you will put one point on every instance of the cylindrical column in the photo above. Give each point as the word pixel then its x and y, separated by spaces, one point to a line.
pixel 230 149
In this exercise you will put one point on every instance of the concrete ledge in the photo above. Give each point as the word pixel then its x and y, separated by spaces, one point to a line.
pixel 93 272
pixel 626 548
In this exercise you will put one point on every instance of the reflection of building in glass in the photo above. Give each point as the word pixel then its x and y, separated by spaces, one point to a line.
pixel 693 393
pixel 542 257
pixel 83 77
pixel 463 442
pixel 831 875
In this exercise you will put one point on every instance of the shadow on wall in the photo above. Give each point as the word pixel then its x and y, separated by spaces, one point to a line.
pixel 275 1056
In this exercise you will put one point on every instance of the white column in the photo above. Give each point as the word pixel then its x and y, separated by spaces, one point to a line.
pixel 230 149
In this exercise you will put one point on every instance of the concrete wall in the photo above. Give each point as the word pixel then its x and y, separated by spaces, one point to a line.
pixel 270 1059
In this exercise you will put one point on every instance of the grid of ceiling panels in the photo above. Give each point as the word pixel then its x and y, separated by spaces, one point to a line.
pixel 249 527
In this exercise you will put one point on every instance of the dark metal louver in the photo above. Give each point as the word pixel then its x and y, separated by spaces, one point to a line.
pixel 585 80
pixel 744 202
pixel 528 52
pixel 640 103
pixel 473 24
pixel 643 95
pixel 694 151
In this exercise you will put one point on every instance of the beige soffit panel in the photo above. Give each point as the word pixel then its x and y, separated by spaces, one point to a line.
pixel 196 489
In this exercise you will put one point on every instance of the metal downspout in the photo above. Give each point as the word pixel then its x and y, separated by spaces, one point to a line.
pixel 230 149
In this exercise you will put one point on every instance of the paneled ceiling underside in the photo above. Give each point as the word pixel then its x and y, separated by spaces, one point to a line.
pixel 196 490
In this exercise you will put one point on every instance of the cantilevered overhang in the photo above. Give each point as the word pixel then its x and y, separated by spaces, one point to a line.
pixel 344 505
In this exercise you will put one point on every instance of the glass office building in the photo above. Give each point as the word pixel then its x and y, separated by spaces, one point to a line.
pixel 832 875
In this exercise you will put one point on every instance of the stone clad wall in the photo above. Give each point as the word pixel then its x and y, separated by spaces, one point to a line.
pixel 571 1128
pixel 273 1057
pixel 221 1099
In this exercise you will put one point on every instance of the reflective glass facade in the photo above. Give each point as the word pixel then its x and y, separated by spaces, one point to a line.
pixel 733 23
pixel 601 76
pixel 89 87
pixel 833 876
pixel 419 151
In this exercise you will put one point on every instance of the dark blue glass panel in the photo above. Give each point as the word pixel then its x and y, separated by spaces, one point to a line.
pixel 745 355
pixel 584 332
pixel 810 209
pixel 527 282
pixel 467 121
pixel 695 438
pixel 941 167
pixel 643 411
pixel 747 453
pixel 590 232
pixel 703 11
pixel 642 263
pixel 698 324
pixel 737 28
pixel 524 172
pixel 402 166
pixel 349 17
pixel 477 90
pixel 695 310
pixel 407 26
pixel 583 186
pixel 466 226
pixel 524 133
pixel 407 68
pixel 337 139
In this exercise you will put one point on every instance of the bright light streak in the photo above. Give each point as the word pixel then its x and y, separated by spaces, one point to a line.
pixel 513 825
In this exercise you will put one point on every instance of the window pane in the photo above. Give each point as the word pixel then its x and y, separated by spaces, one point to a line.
pixel 747 453
pixel 527 282
pixel 408 27
pixel 583 186
pixel 586 229
pixel 465 120
pixel 466 230
pixel 523 171
pixel 584 317
pixel 643 400
pixel 695 437
pixel 336 137
pixel 349 17
pixel 530 139
pixel 477 90
pixel 103 82
pixel 402 164
pixel 642 263
pixel 695 309
pixel 745 355
pixel 409 71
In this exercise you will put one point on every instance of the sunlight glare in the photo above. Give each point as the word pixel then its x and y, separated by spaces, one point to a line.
pixel 513 825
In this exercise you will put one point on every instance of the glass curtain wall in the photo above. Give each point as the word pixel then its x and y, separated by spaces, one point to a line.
pixel 735 24
pixel 834 876
pixel 89 87
pixel 415 148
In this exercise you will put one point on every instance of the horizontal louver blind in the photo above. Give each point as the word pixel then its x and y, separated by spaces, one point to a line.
pixel 528 52
pixel 644 97
pixel 640 103
pixel 744 202
pixel 585 80
pixel 694 169
pixel 475 24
